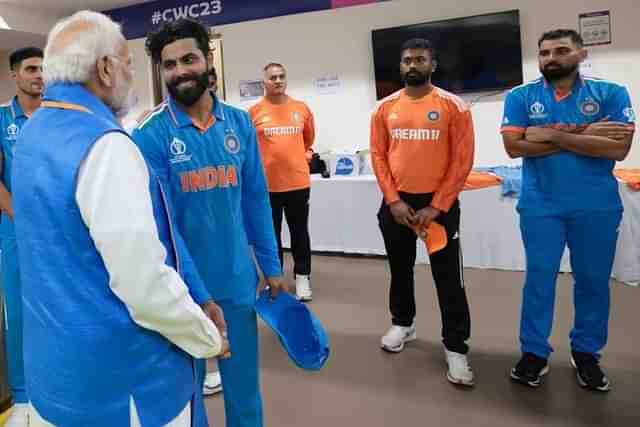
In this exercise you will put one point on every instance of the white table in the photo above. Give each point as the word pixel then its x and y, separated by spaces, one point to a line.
pixel 343 219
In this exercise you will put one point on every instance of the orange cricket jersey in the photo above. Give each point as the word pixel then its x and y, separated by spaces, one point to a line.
pixel 422 146
pixel 285 132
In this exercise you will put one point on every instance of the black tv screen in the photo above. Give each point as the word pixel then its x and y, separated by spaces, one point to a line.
pixel 476 53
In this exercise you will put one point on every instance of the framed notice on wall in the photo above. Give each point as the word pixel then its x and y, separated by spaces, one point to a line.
pixel 595 28
pixel 250 89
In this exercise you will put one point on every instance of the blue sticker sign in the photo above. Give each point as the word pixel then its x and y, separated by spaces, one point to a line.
pixel 344 166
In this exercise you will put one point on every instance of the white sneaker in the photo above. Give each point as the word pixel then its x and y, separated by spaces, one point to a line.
pixel 396 337
pixel 212 384
pixel 19 416
pixel 459 370
pixel 303 288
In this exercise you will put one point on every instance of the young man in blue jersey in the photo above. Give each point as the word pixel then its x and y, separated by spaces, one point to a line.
pixel 207 155
pixel 570 130
pixel 26 69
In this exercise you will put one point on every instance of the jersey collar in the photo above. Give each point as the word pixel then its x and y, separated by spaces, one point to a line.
pixel 182 119
pixel 16 109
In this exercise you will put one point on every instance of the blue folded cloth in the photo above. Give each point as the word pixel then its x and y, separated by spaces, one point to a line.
pixel 299 330
pixel 511 179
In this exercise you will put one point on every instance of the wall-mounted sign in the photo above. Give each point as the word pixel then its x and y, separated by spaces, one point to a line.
pixel 595 28
pixel 140 19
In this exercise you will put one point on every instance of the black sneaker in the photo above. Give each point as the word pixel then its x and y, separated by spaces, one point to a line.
pixel 529 370
pixel 588 372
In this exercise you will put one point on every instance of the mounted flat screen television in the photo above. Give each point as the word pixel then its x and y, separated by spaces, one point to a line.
pixel 475 54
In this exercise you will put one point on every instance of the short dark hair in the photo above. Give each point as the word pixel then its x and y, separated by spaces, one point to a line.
pixel 273 64
pixel 562 33
pixel 418 44
pixel 169 32
pixel 17 56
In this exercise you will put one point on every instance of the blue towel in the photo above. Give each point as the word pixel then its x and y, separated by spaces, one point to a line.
pixel 299 330
pixel 511 179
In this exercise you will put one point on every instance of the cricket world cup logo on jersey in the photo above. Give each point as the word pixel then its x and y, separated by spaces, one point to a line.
pixel 179 151
pixel 537 111
pixel 295 116
pixel 12 132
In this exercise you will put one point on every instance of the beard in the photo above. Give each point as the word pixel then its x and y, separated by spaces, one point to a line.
pixel 558 72
pixel 124 103
pixel 189 95
pixel 416 78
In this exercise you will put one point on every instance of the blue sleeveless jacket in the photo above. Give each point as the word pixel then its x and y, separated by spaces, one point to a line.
pixel 84 355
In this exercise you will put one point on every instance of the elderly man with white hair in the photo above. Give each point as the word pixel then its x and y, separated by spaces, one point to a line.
pixel 114 310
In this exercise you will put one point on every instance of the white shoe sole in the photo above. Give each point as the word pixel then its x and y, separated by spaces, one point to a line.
pixel 305 298
pixel 604 388
pixel 399 348
pixel 210 391
pixel 459 381
pixel 537 384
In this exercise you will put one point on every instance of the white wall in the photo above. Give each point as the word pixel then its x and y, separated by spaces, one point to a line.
pixel 339 42
pixel 7 85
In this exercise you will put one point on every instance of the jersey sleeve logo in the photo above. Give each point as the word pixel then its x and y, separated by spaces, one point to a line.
pixel 295 116
pixel 433 115
pixel 629 114
pixel 590 107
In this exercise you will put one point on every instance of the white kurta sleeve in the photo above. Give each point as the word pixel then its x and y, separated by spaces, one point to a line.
pixel 115 203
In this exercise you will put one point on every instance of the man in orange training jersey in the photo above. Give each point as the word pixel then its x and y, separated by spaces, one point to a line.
pixel 285 132
pixel 422 152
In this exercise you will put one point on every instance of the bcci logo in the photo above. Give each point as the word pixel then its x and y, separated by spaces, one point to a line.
pixel 295 116
pixel 629 114
pixel 433 115
pixel 231 143
pixel 537 110
pixel 178 148
pixel 12 131
pixel 590 107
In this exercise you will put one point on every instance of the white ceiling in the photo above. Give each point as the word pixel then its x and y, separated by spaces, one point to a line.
pixel 65 7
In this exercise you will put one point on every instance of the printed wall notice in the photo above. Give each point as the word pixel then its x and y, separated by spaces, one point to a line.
pixel 250 89
pixel 327 84
pixel 595 28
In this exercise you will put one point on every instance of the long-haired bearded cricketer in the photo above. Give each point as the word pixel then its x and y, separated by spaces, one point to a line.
pixel 207 154
pixel 114 312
